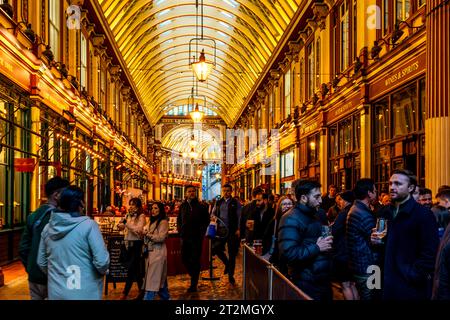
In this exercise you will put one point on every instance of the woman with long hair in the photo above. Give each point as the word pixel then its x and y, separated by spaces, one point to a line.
pixel 156 252
pixel 133 225
pixel 72 251
pixel 284 205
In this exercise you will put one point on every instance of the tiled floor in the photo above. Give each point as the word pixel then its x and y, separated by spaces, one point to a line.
pixel 16 285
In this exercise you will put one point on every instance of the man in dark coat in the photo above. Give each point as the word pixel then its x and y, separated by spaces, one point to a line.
pixel 228 210
pixel 31 237
pixel 360 222
pixel 411 242
pixel 193 219
pixel 301 245
pixel 441 285
pixel 264 223
pixel 247 212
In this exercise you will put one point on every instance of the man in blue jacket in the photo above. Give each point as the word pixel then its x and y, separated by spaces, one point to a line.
pixel 411 243
pixel 302 246
pixel 360 222
pixel 31 237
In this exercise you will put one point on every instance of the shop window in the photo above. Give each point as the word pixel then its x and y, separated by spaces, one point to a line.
pixel 311 62
pixel 344 35
pixel 334 142
pixel 402 10
pixel 287 164
pixel 345 136
pixel 313 149
pixel 54 22
pixel 422 104
pixel 386 10
pixel 318 56
pixel 356 132
pixel 301 80
pixel 404 108
pixel 381 120
pixel 287 93
pixel 83 61
pixel 303 154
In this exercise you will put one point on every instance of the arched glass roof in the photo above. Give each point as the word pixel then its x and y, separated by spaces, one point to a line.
pixel 153 37
pixel 207 146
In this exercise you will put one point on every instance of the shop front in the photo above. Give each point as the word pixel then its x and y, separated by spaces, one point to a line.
pixel 17 164
pixel 398 118
pixel 309 162
pixel 344 136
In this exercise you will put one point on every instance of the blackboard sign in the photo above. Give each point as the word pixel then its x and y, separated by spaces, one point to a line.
pixel 117 272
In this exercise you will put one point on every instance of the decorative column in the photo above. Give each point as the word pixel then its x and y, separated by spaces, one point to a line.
pixel 365 142
pixel 437 123
pixel 323 158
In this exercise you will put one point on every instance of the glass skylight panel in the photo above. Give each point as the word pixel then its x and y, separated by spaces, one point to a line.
pixel 226 14
pixel 226 25
pixel 232 3
pixel 165 23
pixel 160 14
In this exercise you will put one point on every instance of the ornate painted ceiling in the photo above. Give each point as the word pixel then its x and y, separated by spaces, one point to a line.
pixel 153 37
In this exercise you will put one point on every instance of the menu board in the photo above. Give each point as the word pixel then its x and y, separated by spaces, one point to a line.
pixel 117 272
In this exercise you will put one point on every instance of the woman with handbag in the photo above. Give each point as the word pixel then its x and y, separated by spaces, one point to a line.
pixel 156 254
pixel 133 225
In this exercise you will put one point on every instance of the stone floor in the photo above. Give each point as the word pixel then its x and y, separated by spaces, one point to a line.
pixel 16 285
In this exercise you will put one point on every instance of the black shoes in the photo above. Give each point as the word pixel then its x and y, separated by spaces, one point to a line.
pixel 231 279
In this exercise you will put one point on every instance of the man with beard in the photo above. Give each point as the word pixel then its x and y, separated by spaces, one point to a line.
pixel 193 219
pixel 263 217
pixel 411 242
pixel 228 210
pixel 425 198
pixel 301 245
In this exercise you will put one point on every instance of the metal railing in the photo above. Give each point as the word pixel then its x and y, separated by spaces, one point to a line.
pixel 262 281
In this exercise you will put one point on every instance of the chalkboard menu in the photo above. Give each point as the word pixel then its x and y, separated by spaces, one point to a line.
pixel 117 272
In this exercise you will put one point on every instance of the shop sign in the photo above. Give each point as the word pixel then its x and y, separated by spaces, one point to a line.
pixel 310 128
pixel 51 97
pixel 400 75
pixel 343 108
pixel 13 70
pixel 24 164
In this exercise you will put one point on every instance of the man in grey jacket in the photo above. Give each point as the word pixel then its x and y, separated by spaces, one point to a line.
pixel 72 251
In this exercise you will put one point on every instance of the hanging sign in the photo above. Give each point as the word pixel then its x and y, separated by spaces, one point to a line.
pixel 24 164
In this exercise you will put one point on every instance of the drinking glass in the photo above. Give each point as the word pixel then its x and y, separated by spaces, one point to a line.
pixel 381 227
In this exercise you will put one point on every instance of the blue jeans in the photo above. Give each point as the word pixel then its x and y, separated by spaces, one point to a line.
pixel 163 293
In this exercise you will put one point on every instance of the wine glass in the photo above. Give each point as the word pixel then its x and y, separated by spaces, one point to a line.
pixel 381 228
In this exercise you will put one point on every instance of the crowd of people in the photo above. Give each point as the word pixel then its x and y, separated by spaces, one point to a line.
pixel 372 246
pixel 390 246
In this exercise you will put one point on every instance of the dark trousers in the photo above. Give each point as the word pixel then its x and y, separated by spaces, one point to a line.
pixel 218 249
pixel 135 268
pixel 191 252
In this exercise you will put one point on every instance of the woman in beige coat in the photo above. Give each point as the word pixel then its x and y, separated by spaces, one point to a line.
pixel 156 261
